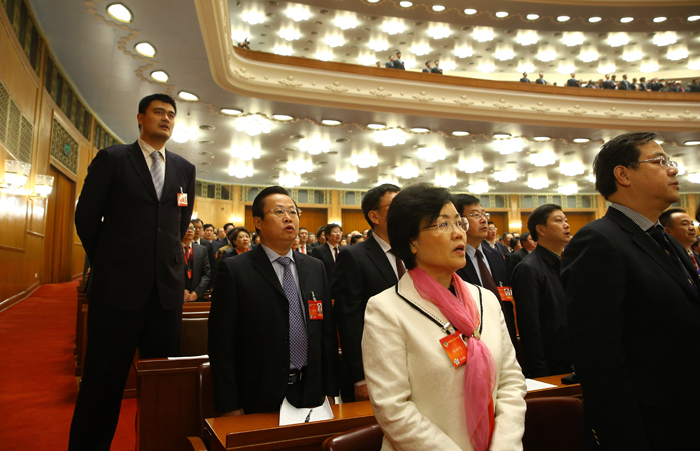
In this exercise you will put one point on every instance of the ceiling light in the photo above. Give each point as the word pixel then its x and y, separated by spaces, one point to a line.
pixel 681 168
pixel 253 125
pixel 460 133
pixel 542 138
pixel 334 40
pixel 182 134
pixel 384 179
pixel 184 95
pixel 421 48
pixel 253 17
pixel 563 18
pixel 420 130
pixel 692 143
pixel 470 11
pixel 409 63
pixel 546 53
pixel 471 165
pixel 445 179
pixel 324 55
pixel 665 38
pixel 569 189
pixel 346 21
pixel 525 65
pixel 289 179
pixel 501 135
pixel 159 75
pixel 627 19
pixel 378 44
pixel 594 19
pixel 483 34
pixel 364 159
pixel 366 59
pixel 618 39
pixel 372 1
pixel 693 18
pixel 300 165
pixel 649 65
pixel 298 12
pixel 571 168
pixel 376 126
pixel 330 122
pixel 432 154
pixel 145 49
pixel 591 177
pixel 438 8
pixel 390 137
pixel 120 12
pixel 241 169
pixel 508 146
pixel 281 49
pixel 245 151
pixel 486 66
pixel 659 19
pixel 632 53
pixel 282 117
pixel 439 31
pixel 544 158
pixel 566 67
pixel 694 63
pixel 464 51
pixel 405 4
pixel 572 38
pixel 290 34
pixel 606 67
pixel 694 178
pixel 677 52
pixel 581 140
pixel 588 54
pixel 538 180
pixel 527 37
pixel 480 187
pixel 506 175
pixel 504 52
pixel 314 146
pixel 533 16
pixel 230 111
pixel 407 170
pixel 239 35
pixel 501 14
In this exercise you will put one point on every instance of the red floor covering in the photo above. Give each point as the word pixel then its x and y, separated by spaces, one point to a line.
pixel 37 374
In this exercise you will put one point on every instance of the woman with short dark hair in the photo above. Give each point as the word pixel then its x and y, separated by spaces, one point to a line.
pixel 240 242
pixel 439 363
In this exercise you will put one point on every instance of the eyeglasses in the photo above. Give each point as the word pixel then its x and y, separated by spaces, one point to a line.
pixel 280 212
pixel 448 226
pixel 663 161
pixel 191 229
pixel 478 216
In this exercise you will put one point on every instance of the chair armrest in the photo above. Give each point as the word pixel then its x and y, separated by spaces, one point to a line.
pixel 196 444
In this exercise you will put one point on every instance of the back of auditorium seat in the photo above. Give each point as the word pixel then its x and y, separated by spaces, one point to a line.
pixel 194 336
pixel 553 424
pixel 366 438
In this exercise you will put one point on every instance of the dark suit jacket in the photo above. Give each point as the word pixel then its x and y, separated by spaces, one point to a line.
pixel 641 86
pixel 515 258
pixel 201 271
pixel 399 65
pixel 608 84
pixel 249 335
pixel 623 85
pixel 436 70
pixel 389 65
pixel 361 271
pixel 524 80
pixel 118 195
pixel 425 69
pixel 539 301
pixel 497 263
pixel 572 82
pixel 541 81
pixel 211 247
pixel 620 285
pixel 323 253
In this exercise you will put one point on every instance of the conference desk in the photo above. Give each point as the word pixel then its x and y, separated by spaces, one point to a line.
pixel 559 389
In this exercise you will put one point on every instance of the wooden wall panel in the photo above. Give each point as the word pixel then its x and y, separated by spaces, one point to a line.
pixel 59 238
pixel 311 218
pixel 15 71
pixel 214 211
pixel 578 220
pixel 13 220
pixel 500 219
pixel 353 219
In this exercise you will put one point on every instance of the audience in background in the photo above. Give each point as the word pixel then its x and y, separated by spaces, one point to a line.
pixel 196 268
pixel 524 79
pixel 679 225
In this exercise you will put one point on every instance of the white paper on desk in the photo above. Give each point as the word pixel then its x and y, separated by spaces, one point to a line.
pixel 291 415
pixel 537 385
pixel 188 357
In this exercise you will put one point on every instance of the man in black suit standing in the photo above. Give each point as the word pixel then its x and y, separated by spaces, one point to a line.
pixel 390 63
pixel 362 271
pixel 485 266
pixel 642 86
pixel 398 63
pixel 436 69
pixel 304 247
pixel 524 79
pixel 679 225
pixel 624 85
pixel 211 248
pixel 633 306
pixel 427 67
pixel 541 80
pixel 328 252
pixel 271 329
pixel 539 295
pixel 573 82
pixel 136 282
pixel 197 268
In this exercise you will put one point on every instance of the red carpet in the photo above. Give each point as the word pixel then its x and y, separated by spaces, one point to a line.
pixel 37 373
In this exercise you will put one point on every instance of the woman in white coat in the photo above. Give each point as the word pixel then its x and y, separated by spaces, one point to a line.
pixel 439 364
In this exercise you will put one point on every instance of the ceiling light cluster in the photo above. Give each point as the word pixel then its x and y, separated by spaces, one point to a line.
pixel 324 55
pixel 483 34
pixel 568 189
pixel 471 165
pixel 346 21
pixel 505 176
pixel 297 12
pixel 440 31
pixel 606 67
pixel 649 65
pixel 253 17
pixel 538 180
pixel 314 146
pixel 364 159
pixel 282 49
pixel 677 52
pixel 241 169
pixel 245 151
pixel 253 125
pixel 346 176
pixel 432 154
pixel 445 178
pixel 407 170
pixel 527 37
pixel 486 66
pixel 378 44
pixel 632 53
pixel 300 165
pixel 526 65
pixel 393 26
pixel 463 51
pixel 390 137
pixel 665 38
pixel 588 54
pixel 508 146
pixel 618 39
pixel 546 53
pixel 420 48
pixel 334 39
pixel 572 38
pixel 504 52
pixel 480 187
pixel 544 158
pixel 289 179
pixel 290 33
pixel 182 134
pixel 571 168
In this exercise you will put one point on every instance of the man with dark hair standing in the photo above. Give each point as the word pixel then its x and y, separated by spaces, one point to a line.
pixel 320 236
pixel 539 295
pixel 136 283
pixel 524 79
pixel 303 239
pixel 528 245
pixel 360 272
pixel 624 85
pixel 680 226
pixel 573 82
pixel 436 69
pixel 626 278
pixel 541 80
pixel 197 267
pixel 398 63
pixel 427 67
pixel 271 329
pixel 328 253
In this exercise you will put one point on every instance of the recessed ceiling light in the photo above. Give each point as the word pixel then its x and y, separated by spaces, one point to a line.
pixel 563 18
pixel 120 12
pixel 692 143
pixel 693 18
pixel 420 130
pixel 330 122
pixel 627 19
pixel 659 19
pixel 501 14
pixel 471 11
pixel 541 138
pixel 501 135
pixel 376 126
pixel 581 140
pixel 282 117
pixel 594 19
pixel 372 1
pixel 145 49
pixel 159 75
pixel 230 111
pixel 184 95
pixel 406 4
pixel 460 133
pixel 438 8
pixel 533 16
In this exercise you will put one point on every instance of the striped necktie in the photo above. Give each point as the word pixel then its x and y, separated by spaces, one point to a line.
pixel 298 337
pixel 157 172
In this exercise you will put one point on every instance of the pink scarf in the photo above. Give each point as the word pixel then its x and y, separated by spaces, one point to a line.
pixel 480 372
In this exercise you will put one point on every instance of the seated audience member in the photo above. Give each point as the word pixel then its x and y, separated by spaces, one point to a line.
pixel 422 398
pixel 295 355
pixel 573 82
pixel 436 69
pixel 679 225
pixel 527 245
pixel 390 64
pixel 524 79
pixel 197 269
pixel 427 67
pixel 240 243
pixel 539 295
pixel 515 244
pixel 328 252
pixel 541 80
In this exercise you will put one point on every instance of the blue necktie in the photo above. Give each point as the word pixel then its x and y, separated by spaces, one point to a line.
pixel 157 172
pixel 298 338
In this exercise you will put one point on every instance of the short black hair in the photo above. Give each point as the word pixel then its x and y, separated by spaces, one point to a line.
pixel 229 224
pixel 503 237
pixel 329 228
pixel 665 218
pixel 622 150
pixel 354 238
pixel 233 233
pixel 696 243
pixel 303 228
pixel 539 217
pixel 524 237
pixel 463 201
pixel 491 223
pixel 206 226
pixel 321 230
pixel 427 62
pixel 146 102
pixel 398 52
pixel 514 242
pixel 259 201
pixel 374 196
pixel 192 221
pixel 413 208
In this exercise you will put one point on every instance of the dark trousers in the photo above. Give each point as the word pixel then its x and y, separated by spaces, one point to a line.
pixel 113 335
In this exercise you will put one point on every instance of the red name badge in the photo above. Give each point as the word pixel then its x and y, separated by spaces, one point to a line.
pixel 455 348
pixel 315 309
pixel 189 274
pixel 181 199
pixel 506 294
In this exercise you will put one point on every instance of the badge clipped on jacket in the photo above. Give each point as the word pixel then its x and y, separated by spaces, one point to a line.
pixel 455 348
pixel 181 198
pixel 315 308
pixel 506 293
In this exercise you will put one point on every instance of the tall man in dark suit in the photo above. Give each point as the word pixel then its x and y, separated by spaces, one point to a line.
pixel 633 307
pixel 541 80
pixel 524 79
pixel 436 69
pixel 197 268
pixel 573 82
pixel 485 266
pixel 398 62
pixel 427 67
pixel 328 252
pixel 271 329
pixel 136 282
pixel 624 85
pixel 539 295
pixel 362 271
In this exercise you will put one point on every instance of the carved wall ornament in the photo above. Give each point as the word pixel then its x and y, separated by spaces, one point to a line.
pixel 464 100
pixel 423 97
pixel 577 110
pixel 613 112
pixel 687 116
pixel 337 87
pixel 290 81
pixel 502 104
pixel 243 73
pixel 649 113
pixel 381 92
pixel 541 107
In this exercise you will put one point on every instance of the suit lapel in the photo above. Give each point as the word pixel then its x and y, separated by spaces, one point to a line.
pixel 263 265
pixel 379 258
pixel 470 272
pixel 141 167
